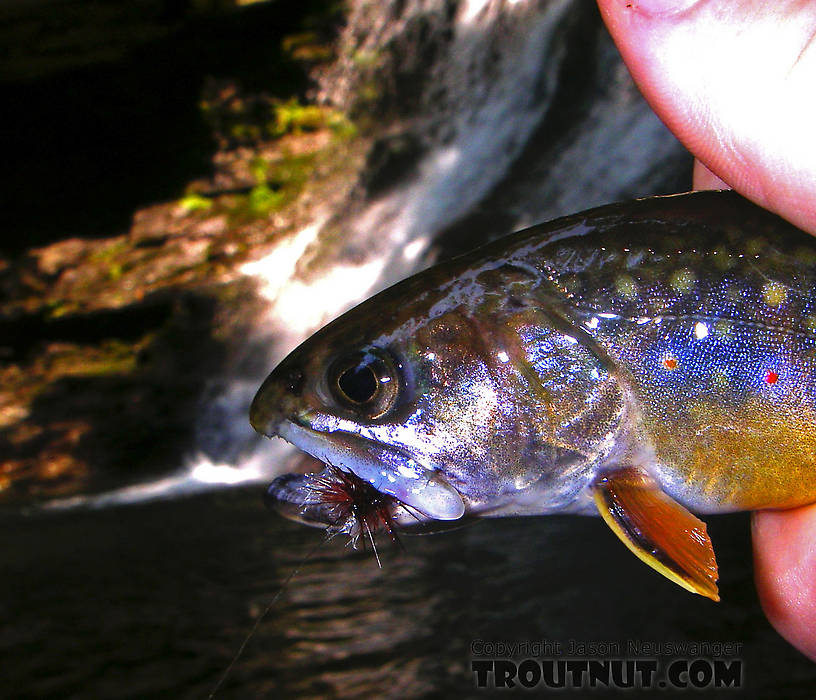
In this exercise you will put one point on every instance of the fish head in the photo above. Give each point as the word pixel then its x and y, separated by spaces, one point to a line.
pixel 447 397
pixel 348 397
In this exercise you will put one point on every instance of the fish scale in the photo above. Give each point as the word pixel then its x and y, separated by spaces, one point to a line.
pixel 720 354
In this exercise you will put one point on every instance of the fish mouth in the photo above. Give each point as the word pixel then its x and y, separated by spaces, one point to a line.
pixel 340 502
pixel 419 490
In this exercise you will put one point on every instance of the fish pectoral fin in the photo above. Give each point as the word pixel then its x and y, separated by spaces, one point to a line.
pixel 657 529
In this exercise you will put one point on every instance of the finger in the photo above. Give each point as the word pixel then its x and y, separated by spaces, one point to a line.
pixel 704 179
pixel 785 571
pixel 733 79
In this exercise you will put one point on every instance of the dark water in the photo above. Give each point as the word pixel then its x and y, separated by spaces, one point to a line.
pixel 153 600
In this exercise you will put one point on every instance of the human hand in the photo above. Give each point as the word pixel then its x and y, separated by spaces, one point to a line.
pixel 735 81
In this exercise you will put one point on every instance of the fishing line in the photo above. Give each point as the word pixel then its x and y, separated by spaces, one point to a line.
pixel 270 605
pixel 359 510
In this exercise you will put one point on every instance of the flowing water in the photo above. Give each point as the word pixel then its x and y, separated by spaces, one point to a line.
pixel 152 600
pixel 532 116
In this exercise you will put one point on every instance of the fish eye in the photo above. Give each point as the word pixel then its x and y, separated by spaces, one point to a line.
pixel 358 383
pixel 366 381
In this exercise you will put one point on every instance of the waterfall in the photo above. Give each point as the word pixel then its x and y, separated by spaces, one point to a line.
pixel 506 113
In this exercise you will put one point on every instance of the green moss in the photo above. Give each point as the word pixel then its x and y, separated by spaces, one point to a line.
pixel 114 272
pixel 259 167
pixel 277 184
pixel 342 127
pixel 292 117
pixel 107 253
pixel 245 132
pixel 112 357
pixel 263 199
pixel 365 59
pixel 195 202
pixel 292 171
pixel 307 46
pixel 291 42
pixel 55 308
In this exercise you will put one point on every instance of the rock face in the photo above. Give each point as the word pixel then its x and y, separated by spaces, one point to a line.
pixel 428 128
pixel 120 302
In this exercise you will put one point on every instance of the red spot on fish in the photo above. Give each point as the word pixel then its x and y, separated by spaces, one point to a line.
pixel 771 377
pixel 670 363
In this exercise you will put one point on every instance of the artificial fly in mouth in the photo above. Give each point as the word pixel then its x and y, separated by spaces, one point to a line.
pixel 353 506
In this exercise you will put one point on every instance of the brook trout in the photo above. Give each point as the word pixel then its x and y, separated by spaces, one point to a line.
pixel 639 361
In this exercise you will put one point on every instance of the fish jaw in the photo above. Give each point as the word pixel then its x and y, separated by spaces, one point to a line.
pixel 288 495
pixel 389 470
pixel 330 499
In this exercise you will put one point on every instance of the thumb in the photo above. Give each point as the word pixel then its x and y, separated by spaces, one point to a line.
pixel 785 569
pixel 734 81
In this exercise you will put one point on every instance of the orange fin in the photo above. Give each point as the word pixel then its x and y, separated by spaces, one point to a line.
pixel 657 529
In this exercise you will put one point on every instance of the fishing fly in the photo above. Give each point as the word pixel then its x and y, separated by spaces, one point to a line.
pixel 354 507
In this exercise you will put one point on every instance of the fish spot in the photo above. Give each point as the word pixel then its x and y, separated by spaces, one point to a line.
pixel 806 256
pixel 722 259
pixel 700 330
pixel 771 377
pixel 670 363
pixel 626 287
pixel 774 294
pixel 754 246
pixel 682 280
